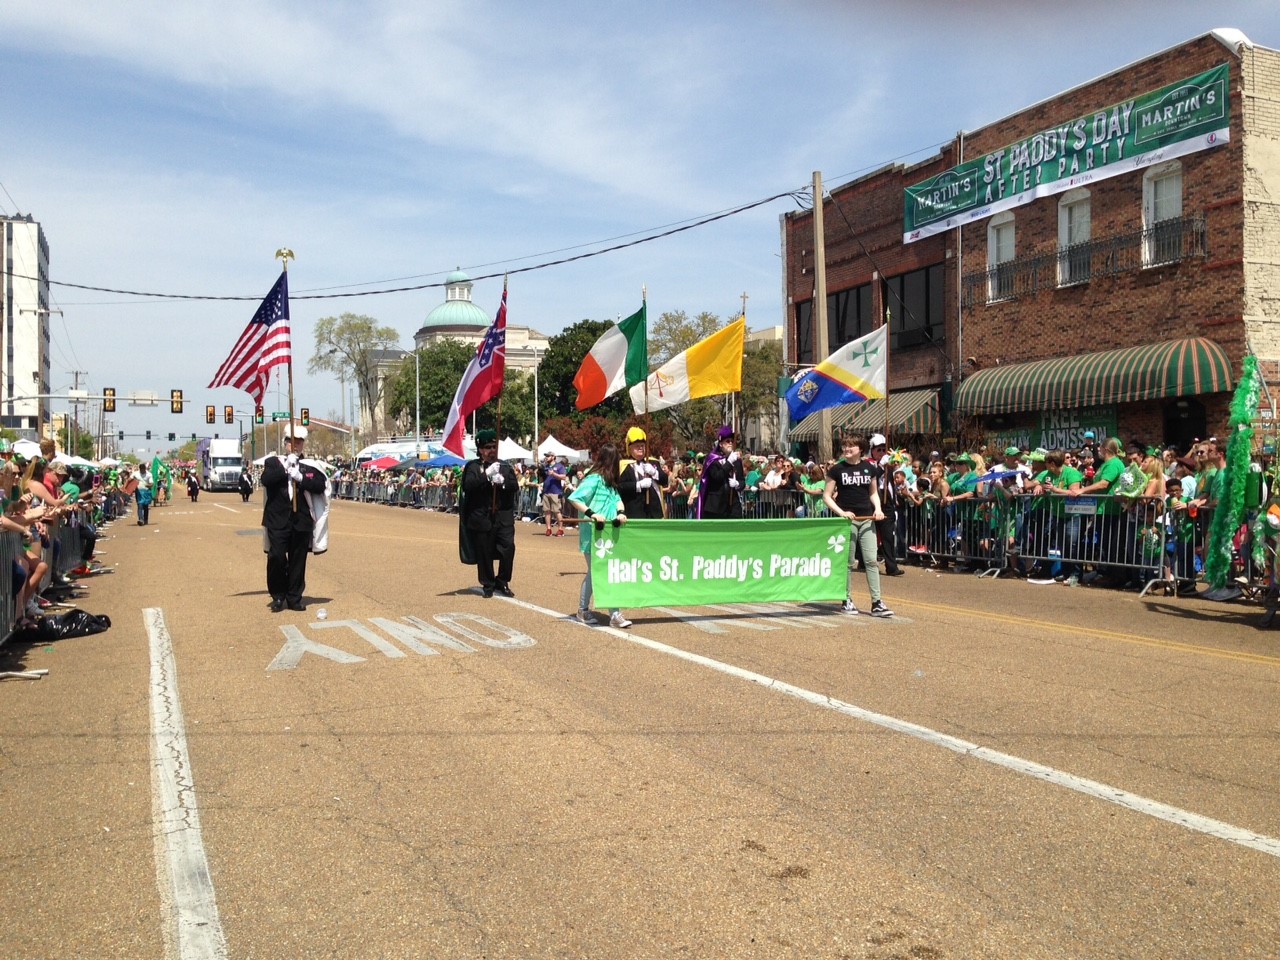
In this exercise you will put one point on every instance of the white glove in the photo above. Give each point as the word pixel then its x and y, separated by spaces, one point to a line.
pixel 644 484
pixel 497 479
pixel 733 458
pixel 295 474
pixel 492 470
pixel 733 483
pixel 291 461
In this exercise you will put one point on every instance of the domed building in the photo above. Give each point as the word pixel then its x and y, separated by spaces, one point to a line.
pixel 460 319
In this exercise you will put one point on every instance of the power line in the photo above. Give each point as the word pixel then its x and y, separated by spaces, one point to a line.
pixel 690 225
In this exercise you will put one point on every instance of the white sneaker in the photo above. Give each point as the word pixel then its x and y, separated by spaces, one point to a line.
pixel 848 608
pixel 584 616
pixel 619 621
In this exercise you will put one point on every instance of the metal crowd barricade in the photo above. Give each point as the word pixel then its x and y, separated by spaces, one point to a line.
pixel 1109 536
pixel 973 534
pixel 10 551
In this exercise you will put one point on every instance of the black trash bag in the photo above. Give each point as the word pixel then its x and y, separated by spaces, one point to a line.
pixel 73 623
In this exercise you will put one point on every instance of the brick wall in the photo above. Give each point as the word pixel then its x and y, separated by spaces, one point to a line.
pixel 1193 298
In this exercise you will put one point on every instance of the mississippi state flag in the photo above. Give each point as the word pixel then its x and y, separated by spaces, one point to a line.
pixel 482 380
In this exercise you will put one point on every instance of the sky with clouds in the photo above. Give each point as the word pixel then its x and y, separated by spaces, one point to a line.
pixel 173 148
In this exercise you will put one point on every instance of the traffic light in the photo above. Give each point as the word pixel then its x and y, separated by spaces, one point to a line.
pixel 229 414
pixel 175 401
pixel 258 414
pixel 148 434
pixel 193 438
pixel 121 434
pixel 306 417
pixel 108 399
pixel 210 414
pixel 173 437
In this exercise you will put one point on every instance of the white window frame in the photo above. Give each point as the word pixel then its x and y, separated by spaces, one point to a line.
pixel 995 280
pixel 1152 253
pixel 1076 199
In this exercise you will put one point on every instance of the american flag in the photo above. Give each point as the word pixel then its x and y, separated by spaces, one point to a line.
pixel 263 344
pixel 482 380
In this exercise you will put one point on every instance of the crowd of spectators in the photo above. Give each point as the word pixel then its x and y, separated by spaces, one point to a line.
pixel 1003 510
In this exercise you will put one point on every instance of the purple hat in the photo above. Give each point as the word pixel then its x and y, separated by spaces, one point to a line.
pixel 726 433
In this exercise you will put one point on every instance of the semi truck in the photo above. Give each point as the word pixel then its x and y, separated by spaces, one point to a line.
pixel 220 464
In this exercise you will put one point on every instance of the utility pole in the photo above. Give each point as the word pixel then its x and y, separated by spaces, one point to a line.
pixel 75 414
pixel 821 347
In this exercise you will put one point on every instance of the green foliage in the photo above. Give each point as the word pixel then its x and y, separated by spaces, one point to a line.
pixel 84 444
pixel 440 366
pixel 674 333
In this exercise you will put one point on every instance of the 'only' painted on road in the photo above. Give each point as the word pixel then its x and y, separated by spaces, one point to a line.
pixel 413 633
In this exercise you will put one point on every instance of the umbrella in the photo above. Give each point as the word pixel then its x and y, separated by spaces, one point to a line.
pixel 444 460
pixel 997 474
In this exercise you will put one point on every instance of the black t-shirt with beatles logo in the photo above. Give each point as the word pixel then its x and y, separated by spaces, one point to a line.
pixel 854 485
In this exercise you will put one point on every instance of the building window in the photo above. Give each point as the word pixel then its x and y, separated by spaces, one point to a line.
pixel 1000 249
pixel 1074 255
pixel 1162 224
pixel 915 304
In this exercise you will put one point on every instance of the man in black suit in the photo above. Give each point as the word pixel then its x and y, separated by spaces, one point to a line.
pixel 489 492
pixel 286 515
pixel 723 481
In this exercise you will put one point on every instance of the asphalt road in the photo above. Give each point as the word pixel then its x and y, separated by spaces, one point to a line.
pixel 1003 770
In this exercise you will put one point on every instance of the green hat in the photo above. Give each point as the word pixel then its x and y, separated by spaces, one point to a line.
pixel 1036 456
pixel 966 458
pixel 486 436
pixel 1012 451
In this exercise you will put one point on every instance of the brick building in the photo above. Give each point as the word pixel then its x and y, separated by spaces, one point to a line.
pixel 1102 259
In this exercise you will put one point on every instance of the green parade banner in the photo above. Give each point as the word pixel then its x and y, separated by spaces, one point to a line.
pixel 1176 120
pixel 683 563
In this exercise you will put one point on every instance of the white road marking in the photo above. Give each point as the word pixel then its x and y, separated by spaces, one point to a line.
pixel 226 508
pixel 1101 791
pixel 193 930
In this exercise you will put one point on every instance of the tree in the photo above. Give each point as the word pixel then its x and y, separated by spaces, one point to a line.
pixel 761 369
pixel 438 373
pixel 351 346
pixel 84 443
pixel 674 333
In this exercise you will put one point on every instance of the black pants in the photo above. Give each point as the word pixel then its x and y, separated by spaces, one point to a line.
pixel 287 564
pixel 495 545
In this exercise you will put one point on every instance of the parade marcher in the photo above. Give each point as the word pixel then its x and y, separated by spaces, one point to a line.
pixel 642 480
pixel 488 515
pixel 723 481
pixel 288 521
pixel 887 527
pixel 852 493
pixel 553 474
pixel 143 495
pixel 600 503
pixel 246 484
pixel 193 486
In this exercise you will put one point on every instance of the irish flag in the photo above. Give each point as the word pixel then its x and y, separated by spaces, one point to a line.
pixel 619 359
pixel 710 366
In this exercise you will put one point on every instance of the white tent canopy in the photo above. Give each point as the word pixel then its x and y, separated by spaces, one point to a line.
pixel 508 449
pixel 557 449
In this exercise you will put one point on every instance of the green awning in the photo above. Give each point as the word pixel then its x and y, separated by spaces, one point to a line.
pixel 1175 368
pixel 910 411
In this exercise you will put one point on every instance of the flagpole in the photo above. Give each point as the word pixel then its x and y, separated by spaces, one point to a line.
pixel 888 340
pixel 644 304
pixel 284 255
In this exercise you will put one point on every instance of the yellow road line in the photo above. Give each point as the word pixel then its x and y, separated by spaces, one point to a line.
pixel 1094 632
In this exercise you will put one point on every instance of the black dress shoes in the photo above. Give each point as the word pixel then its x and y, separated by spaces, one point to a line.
pixel 487 592
pixel 296 605
pixel 277 604
pixel 505 590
